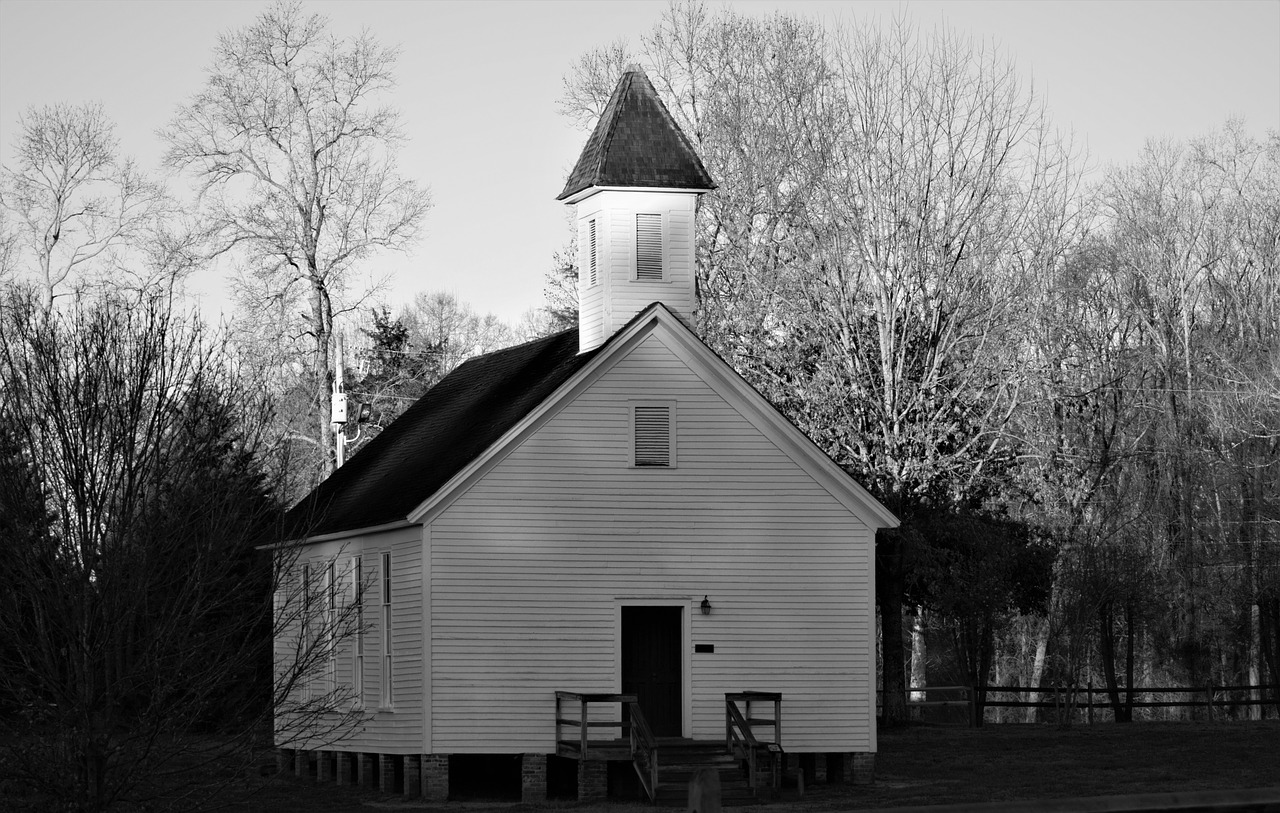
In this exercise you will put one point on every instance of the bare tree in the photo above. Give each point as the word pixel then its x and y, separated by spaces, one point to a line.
pixel 71 199
pixel 296 163
pixel 135 612
pixel 886 201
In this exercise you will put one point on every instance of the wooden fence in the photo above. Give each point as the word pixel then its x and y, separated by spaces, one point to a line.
pixel 957 705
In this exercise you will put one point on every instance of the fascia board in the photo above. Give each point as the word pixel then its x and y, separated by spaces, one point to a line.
pixel 329 537
pixel 836 480
pixel 570 389
pixel 583 194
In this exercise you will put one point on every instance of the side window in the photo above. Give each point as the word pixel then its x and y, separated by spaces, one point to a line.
pixel 357 592
pixel 331 623
pixel 653 435
pixel 308 627
pixel 388 655
pixel 649 247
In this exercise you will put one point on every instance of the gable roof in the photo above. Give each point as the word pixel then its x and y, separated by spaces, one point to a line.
pixel 637 143
pixel 459 429
pixel 441 433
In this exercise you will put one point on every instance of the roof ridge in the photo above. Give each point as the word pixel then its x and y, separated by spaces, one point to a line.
pixel 637 143
pixel 619 93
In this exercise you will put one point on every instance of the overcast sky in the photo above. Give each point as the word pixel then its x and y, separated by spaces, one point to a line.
pixel 478 84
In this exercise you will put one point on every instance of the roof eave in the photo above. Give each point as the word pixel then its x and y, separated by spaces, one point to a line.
pixel 586 192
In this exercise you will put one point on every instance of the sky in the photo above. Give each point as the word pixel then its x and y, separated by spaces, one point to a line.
pixel 478 84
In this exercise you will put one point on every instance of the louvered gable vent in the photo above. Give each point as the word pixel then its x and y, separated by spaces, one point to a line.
pixel 649 246
pixel 653 435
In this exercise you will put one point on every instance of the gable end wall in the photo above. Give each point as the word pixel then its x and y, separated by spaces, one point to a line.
pixel 529 567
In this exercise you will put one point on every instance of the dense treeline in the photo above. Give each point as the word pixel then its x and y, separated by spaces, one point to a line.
pixel 1066 384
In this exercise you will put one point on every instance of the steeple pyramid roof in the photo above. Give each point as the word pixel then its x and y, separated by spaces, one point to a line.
pixel 637 143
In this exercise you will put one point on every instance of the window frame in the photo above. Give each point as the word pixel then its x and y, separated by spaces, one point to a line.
pixel 672 434
pixel 662 249
pixel 357 655
pixel 388 640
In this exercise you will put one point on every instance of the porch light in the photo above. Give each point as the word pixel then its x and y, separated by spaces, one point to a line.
pixel 706 606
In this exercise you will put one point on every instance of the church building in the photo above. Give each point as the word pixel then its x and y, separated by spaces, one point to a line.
pixel 602 547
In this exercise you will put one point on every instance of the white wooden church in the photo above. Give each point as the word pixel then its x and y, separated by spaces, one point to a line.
pixel 607 522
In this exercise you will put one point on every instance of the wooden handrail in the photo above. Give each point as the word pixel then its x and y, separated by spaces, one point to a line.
pixel 644 751
pixel 635 729
pixel 740 737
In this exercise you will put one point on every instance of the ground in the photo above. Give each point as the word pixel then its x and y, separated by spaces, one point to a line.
pixel 926 765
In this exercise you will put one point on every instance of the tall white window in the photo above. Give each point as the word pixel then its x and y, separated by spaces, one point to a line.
pixel 357 592
pixel 330 624
pixel 388 655
pixel 649 247
pixel 652 435
pixel 592 255
pixel 306 644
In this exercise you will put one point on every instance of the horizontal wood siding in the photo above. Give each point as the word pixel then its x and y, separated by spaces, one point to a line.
pixel 530 566
pixel 399 728
pixel 609 305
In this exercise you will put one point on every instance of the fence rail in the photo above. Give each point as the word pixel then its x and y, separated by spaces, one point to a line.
pixel 1085 699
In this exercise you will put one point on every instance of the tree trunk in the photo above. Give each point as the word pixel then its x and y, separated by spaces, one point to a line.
pixel 1107 650
pixel 919 651
pixel 1037 670
pixel 322 326
pixel 1129 658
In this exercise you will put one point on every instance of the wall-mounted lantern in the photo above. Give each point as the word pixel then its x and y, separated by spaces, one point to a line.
pixel 706 606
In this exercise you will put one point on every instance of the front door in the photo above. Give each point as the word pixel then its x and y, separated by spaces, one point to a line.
pixel 651 668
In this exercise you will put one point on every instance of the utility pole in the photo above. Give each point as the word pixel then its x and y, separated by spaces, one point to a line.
pixel 339 408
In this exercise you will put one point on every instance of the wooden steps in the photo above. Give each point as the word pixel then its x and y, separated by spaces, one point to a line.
pixel 678 762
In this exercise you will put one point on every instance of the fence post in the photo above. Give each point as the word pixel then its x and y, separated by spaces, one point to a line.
pixel 1089 701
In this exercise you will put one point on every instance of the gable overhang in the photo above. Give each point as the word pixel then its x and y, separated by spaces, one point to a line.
pixel 583 194
pixel 335 535
pixel 751 404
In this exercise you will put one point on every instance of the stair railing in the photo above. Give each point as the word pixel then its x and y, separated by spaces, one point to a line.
pixel 741 740
pixel 635 728
pixel 644 751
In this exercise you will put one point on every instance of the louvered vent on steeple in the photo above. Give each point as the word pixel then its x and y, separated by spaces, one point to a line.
pixel 648 246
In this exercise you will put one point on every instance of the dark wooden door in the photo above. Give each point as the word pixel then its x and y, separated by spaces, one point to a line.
pixel 651 665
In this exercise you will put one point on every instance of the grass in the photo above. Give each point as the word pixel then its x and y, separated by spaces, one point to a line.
pixel 918 765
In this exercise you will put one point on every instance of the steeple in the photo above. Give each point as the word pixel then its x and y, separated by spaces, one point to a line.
pixel 636 187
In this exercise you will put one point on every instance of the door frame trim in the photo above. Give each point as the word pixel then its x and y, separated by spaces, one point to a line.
pixel 686 636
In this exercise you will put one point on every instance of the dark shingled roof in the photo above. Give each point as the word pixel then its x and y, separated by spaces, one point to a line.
pixel 437 437
pixel 637 143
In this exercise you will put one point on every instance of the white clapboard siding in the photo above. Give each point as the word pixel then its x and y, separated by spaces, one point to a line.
pixel 530 566
pixel 621 291
pixel 387 730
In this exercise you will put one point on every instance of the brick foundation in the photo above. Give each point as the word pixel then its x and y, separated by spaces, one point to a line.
pixel 819 769
pixel 862 768
pixel 412 776
pixel 593 780
pixel 365 775
pixel 343 768
pixel 533 778
pixel 387 773
pixel 284 761
pixel 301 764
pixel 435 777
pixel 324 766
